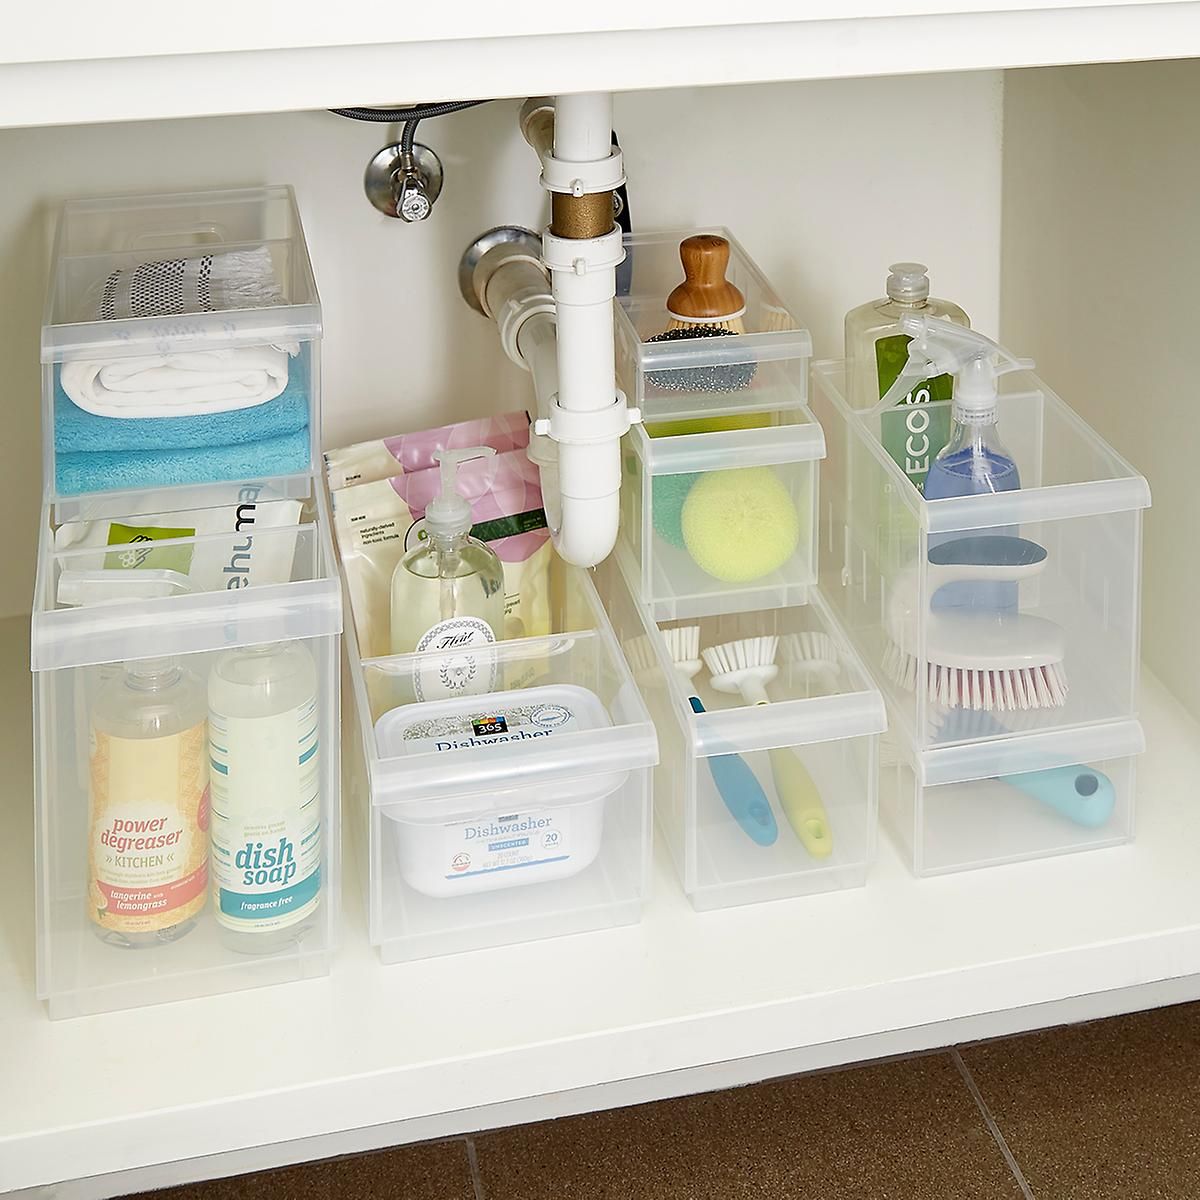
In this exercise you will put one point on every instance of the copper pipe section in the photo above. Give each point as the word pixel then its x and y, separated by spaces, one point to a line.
pixel 576 217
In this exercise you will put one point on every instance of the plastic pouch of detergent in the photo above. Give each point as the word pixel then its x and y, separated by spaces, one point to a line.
pixel 386 458
pixel 144 557
pixel 377 523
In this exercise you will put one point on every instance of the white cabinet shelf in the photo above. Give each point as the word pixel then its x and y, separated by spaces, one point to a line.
pixel 78 63
pixel 374 1056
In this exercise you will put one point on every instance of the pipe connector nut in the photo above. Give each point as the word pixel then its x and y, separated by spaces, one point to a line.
pixel 569 427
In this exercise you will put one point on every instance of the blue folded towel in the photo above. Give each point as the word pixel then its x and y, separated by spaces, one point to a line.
pixel 118 470
pixel 78 431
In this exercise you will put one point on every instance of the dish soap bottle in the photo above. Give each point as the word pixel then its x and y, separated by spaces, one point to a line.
pixel 448 594
pixel 876 352
pixel 266 795
pixel 974 460
pixel 148 805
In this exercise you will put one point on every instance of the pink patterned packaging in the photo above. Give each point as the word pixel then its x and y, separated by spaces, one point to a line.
pixel 386 458
pixel 377 523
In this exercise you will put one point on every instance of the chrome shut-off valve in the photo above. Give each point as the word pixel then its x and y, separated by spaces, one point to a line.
pixel 404 183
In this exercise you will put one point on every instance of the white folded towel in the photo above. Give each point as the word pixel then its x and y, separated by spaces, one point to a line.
pixel 179 385
pixel 198 381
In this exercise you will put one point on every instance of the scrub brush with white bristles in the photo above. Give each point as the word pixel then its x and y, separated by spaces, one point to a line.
pixel 683 645
pixel 814 654
pixel 986 659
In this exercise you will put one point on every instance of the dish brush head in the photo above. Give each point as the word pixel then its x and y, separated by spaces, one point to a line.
pixel 814 653
pixel 683 645
pixel 748 660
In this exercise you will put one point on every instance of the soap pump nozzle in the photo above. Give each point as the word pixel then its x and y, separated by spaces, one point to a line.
pixel 939 347
pixel 448 514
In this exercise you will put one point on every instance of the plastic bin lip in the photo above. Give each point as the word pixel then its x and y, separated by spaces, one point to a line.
pixel 189 623
pixel 1124 490
pixel 774 345
pixel 579 766
pixel 802 440
pixel 131 337
pixel 796 722
pixel 970 761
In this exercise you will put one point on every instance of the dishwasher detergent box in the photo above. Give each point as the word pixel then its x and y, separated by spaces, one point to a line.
pixel 180 350
pixel 557 832
pixel 719 482
pixel 505 788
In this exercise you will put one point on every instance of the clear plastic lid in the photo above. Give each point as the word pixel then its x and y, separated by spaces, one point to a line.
pixel 164 274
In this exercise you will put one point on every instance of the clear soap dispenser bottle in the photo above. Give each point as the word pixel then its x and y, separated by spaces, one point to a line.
pixel 448 592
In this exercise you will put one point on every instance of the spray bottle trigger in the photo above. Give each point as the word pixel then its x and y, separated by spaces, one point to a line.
pixel 939 347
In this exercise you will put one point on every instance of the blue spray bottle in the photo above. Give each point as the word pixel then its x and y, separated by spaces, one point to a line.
pixel 974 461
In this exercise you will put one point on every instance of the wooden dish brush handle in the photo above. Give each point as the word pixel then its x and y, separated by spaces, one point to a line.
pixel 706 296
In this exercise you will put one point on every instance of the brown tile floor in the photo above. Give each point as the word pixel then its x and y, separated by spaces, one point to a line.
pixel 1105 1111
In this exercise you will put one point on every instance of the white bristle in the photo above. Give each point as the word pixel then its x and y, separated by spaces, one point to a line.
pixel 743 655
pixel 683 645
pixel 998 690
pixel 683 642
pixel 812 649
pixel 639 653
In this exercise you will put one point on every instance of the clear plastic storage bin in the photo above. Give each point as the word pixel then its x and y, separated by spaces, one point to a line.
pixel 720 482
pixel 513 809
pixel 982 804
pixel 991 616
pixel 180 351
pixel 187 759
pixel 758 801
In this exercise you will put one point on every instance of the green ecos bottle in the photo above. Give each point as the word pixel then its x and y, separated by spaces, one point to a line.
pixel 876 353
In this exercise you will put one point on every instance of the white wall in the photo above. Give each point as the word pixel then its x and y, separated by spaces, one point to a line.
pixel 822 182
pixel 1101 273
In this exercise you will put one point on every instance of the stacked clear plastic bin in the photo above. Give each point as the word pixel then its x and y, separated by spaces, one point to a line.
pixel 518 808
pixel 719 496
pixel 763 795
pixel 156 298
pixel 1023 743
pixel 759 801
pixel 116 859
pixel 187 615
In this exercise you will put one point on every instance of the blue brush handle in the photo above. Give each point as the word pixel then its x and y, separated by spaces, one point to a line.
pixel 742 793
pixel 1080 794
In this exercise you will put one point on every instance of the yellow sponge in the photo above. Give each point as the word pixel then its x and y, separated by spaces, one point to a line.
pixel 740 525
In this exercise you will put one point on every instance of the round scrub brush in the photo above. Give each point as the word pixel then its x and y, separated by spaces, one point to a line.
pixel 976 658
pixel 740 525
pixel 704 305
pixel 745 667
